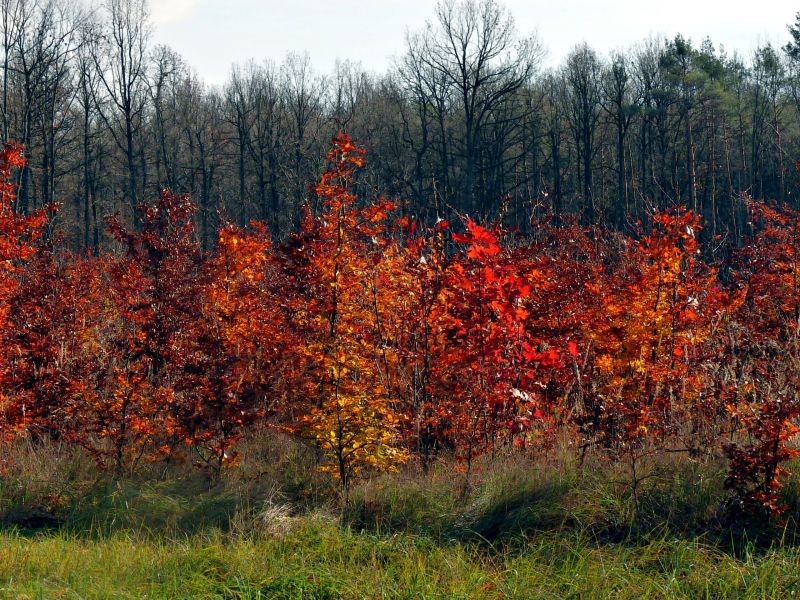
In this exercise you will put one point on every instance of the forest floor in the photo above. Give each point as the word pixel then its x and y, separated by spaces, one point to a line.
pixel 274 528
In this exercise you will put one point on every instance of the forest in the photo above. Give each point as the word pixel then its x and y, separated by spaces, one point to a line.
pixel 108 120
pixel 526 321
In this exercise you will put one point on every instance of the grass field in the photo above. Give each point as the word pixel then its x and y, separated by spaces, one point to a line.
pixel 273 529
pixel 321 560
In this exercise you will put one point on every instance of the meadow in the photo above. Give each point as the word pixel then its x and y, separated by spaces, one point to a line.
pixel 277 529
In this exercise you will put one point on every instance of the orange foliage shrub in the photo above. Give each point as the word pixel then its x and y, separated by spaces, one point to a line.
pixel 376 339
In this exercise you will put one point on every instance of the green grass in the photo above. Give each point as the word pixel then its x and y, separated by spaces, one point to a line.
pixel 273 529
pixel 319 559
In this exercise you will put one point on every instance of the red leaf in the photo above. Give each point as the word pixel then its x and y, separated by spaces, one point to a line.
pixel 572 347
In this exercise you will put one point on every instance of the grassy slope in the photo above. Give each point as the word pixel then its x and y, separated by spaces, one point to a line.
pixel 526 530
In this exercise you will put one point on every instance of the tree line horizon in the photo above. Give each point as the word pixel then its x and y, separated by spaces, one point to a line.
pixel 465 122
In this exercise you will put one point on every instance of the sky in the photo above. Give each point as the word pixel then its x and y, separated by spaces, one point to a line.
pixel 213 34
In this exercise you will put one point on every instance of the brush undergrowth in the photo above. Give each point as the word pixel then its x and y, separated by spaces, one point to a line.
pixel 274 528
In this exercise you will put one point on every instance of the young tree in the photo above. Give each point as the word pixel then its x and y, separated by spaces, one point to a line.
pixel 339 385
pixel 18 235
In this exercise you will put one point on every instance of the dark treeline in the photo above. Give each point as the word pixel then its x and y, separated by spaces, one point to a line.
pixel 466 120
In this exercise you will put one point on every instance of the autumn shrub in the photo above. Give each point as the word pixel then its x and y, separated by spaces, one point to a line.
pixel 375 341
pixel 761 390
pixel 18 245
pixel 339 375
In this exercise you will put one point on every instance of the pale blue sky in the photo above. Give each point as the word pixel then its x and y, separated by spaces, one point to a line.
pixel 213 34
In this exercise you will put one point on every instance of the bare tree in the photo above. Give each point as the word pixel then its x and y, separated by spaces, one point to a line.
pixel 201 121
pixel 621 107
pixel 303 93
pixel 474 46
pixel 88 87
pixel 39 88
pixel 168 71
pixel 121 63
pixel 426 119
pixel 265 138
pixel 554 98
pixel 582 74
pixel 15 16
pixel 237 109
